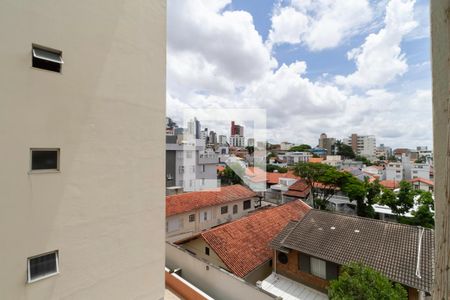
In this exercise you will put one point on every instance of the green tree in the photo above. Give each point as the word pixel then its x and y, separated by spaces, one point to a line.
pixel 421 160
pixel 271 168
pixel 229 176
pixel 359 282
pixel 250 149
pixel 363 159
pixel 322 179
pixel 301 148
pixel 344 150
pixel 423 216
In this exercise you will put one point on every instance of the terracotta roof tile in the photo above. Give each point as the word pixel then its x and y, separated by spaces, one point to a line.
pixel 243 244
pixel 273 177
pixel 315 159
pixel 177 204
pixel 423 180
pixel 390 184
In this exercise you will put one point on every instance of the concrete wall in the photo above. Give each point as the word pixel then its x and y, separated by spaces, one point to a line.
pixel 197 246
pixel 104 209
pixel 217 283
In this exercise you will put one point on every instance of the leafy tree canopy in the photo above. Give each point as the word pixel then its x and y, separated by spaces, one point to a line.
pixel 301 148
pixel 271 168
pixel 344 150
pixel 360 282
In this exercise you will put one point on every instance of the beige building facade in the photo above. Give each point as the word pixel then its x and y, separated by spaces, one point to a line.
pixel 82 132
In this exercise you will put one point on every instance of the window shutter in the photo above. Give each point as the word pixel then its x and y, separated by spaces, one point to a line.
pixel 304 263
pixel 332 271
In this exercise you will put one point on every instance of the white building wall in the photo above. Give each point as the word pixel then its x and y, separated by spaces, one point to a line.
pixel 104 209
pixel 214 217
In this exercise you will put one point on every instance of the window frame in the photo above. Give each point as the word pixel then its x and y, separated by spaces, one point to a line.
pixel 235 209
pixel 247 201
pixel 58 161
pixel 321 261
pixel 191 219
pixel 224 210
pixel 29 280
pixel 34 55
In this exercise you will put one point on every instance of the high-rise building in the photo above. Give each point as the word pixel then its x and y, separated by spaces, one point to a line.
pixel 82 205
pixel 212 138
pixel 364 145
pixel 327 143
pixel 236 129
pixel 223 139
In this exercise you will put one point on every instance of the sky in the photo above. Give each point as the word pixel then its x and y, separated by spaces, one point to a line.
pixel 333 66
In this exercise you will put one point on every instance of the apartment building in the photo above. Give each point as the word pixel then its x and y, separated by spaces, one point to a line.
pixel 364 145
pixel 79 84
pixel 189 213
pixel 189 165
pixel 394 171
pixel 292 158
pixel 327 143
pixel 237 141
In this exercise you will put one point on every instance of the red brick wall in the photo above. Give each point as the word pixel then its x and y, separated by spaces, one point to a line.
pixel 290 270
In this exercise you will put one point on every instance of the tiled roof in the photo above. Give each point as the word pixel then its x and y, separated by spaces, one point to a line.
pixel 315 159
pixel 273 177
pixel 177 204
pixel 423 180
pixel 390 248
pixel 390 184
pixel 255 174
pixel 243 244
pixel 299 189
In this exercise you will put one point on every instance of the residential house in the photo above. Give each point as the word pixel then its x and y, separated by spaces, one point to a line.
pixel 286 146
pixel 189 213
pixel 312 250
pixel 376 171
pixel 242 246
pixel 423 184
pixel 299 190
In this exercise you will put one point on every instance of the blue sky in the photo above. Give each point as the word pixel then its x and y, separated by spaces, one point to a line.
pixel 340 67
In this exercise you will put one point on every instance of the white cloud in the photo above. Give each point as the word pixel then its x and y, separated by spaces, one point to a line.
pixel 217 59
pixel 208 43
pixel 380 59
pixel 319 24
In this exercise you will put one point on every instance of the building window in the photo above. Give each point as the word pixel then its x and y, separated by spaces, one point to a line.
pixel 207 250
pixel 44 159
pixel 247 204
pixel 235 209
pixel 192 218
pixel 44 58
pixel 203 168
pixel 318 268
pixel 42 266
pixel 224 210
pixel 282 258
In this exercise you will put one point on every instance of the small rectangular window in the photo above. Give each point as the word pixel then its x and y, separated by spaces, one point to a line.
pixel 224 210
pixel 318 268
pixel 247 204
pixel 44 159
pixel 192 218
pixel 42 266
pixel 206 250
pixel 44 58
